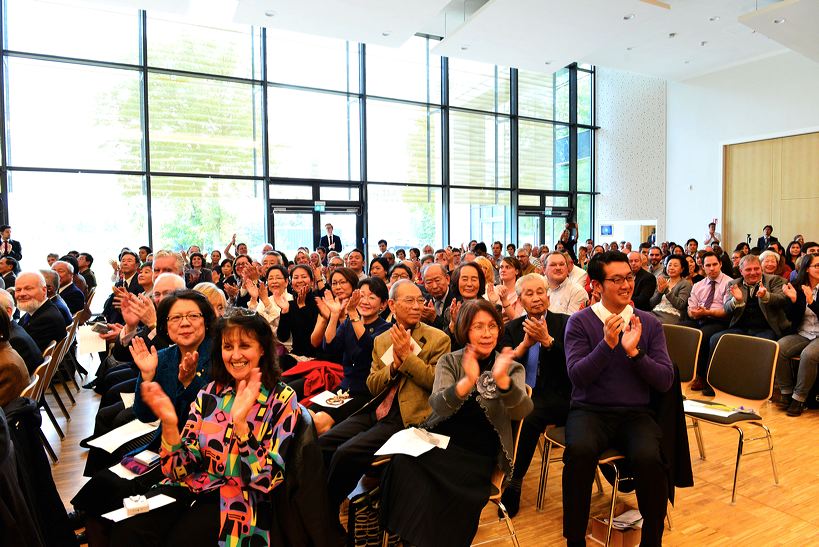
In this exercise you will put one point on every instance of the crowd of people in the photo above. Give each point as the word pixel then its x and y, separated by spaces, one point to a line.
pixel 459 341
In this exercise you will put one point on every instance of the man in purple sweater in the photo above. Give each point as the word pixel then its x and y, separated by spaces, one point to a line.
pixel 614 355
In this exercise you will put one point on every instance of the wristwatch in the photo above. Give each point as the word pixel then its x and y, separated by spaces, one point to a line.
pixel 356 320
pixel 640 354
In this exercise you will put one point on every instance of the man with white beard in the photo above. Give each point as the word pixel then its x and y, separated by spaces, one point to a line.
pixel 41 319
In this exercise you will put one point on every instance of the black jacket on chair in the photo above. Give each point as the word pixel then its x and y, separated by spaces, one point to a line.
pixel 301 509
pixel 34 475
pixel 26 347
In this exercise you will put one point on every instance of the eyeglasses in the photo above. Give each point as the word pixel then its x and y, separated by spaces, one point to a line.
pixel 339 283
pixel 409 301
pixel 190 317
pixel 618 280
pixel 491 328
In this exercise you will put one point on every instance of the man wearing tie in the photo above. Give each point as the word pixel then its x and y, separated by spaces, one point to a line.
pixel 537 339
pixel 9 247
pixel 330 242
pixel 439 297
pixel 707 313
pixel 765 240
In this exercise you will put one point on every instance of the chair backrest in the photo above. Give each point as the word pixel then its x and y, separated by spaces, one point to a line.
pixel 42 372
pixel 742 369
pixel 30 389
pixel 60 350
pixel 49 351
pixel 85 313
pixel 683 345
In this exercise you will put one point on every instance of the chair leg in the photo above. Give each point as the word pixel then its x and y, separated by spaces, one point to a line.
pixel 613 502
pixel 64 382
pixel 668 515
pixel 544 474
pixel 52 418
pixel 769 438
pixel 598 482
pixel 385 539
pixel 57 398
pixel 511 527
pixel 48 448
pixel 736 468
pixel 698 436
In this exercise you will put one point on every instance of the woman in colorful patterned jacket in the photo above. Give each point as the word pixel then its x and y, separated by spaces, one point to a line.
pixel 231 453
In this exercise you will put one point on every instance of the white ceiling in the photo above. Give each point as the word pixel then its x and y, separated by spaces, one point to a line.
pixel 544 35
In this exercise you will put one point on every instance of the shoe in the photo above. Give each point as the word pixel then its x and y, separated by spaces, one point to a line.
pixel 785 401
pixel 76 519
pixel 82 539
pixel 511 500
pixel 708 391
pixel 91 385
pixel 84 442
pixel 697 384
pixel 796 408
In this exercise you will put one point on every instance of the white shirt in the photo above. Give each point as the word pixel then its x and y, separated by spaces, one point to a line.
pixel 567 298
pixel 810 323
pixel 709 239
pixel 602 313
pixel 579 276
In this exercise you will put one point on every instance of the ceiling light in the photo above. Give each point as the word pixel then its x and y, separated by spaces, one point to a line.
pixel 386 33
pixel 686 62
pixel 547 62
pixel 269 13
pixel 703 43
pixel 779 21
pixel 714 19
pixel 464 48
pixel 629 48
pixel 672 34
pixel 628 17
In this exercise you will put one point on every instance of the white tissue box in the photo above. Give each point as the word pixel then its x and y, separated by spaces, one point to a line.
pixel 135 505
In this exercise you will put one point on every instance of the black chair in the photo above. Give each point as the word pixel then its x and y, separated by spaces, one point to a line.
pixel 742 374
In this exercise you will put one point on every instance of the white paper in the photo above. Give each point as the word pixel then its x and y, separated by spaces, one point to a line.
pixel 388 357
pixel 153 503
pixel 412 442
pixel 321 399
pixel 630 519
pixel 128 399
pixel 123 472
pixel 124 433
pixel 89 341
pixel 704 408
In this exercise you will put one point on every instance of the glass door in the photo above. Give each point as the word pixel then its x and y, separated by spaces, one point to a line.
pixel 292 230
pixel 530 229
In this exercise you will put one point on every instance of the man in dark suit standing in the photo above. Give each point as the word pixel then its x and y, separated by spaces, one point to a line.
pixel 41 319
pixel 644 282
pixel 9 247
pixel 128 263
pixel 19 338
pixel 73 296
pixel 766 239
pixel 329 241
pixel 537 339
pixel 8 266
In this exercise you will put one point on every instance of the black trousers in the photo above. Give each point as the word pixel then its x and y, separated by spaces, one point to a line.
pixel 549 408
pixel 589 432
pixel 348 449
pixel 191 520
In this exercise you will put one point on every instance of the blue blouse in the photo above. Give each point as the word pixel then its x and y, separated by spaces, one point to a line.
pixel 356 352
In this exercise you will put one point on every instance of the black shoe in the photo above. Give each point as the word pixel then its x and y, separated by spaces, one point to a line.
pixel 785 401
pixel 76 519
pixel 708 391
pixel 84 442
pixel 511 500
pixel 91 385
pixel 796 408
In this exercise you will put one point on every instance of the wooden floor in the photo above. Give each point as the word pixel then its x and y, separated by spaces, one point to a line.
pixel 764 514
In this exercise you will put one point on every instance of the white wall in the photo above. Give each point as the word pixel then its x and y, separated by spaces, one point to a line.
pixel 630 167
pixel 772 97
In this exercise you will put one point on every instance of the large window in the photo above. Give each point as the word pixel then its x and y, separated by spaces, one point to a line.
pixel 167 131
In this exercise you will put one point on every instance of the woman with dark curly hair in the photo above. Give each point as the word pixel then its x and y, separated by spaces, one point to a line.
pixel 231 452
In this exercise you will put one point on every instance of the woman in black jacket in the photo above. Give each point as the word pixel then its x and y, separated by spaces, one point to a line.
pixel 802 309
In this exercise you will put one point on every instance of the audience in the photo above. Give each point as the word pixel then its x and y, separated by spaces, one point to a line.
pixel 41 319
pixel 19 339
pixel 645 284
pixel 565 296
pixel 670 300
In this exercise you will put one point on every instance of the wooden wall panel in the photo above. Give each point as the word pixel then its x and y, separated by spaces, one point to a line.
pixel 773 181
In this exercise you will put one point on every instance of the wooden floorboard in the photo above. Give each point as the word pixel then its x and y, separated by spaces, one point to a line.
pixel 764 514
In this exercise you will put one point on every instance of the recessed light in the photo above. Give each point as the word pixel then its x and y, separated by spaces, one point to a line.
pixel 672 34
pixel 779 21
pixel 704 43
pixel 547 62
pixel 714 19
pixel 629 48
pixel 270 13
pixel 628 17
pixel 686 62
pixel 464 48
pixel 386 33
